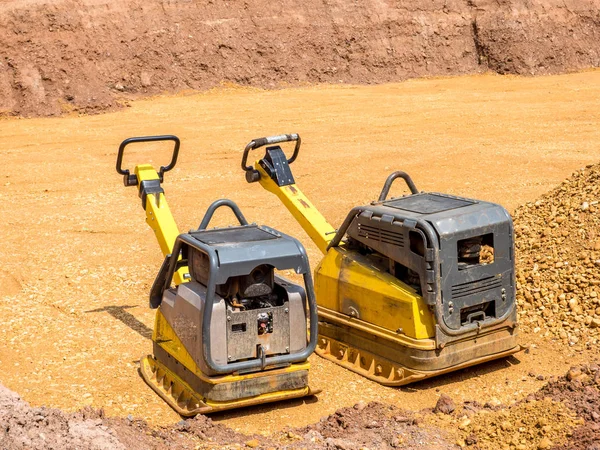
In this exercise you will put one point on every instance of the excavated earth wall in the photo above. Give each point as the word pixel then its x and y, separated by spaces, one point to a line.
pixel 91 55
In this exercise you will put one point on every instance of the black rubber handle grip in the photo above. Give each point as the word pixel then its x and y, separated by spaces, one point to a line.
pixel 261 142
pixel 133 140
pixel 388 184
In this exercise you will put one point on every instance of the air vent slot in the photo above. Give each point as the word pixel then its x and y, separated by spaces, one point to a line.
pixel 238 328
pixel 476 287
pixel 377 234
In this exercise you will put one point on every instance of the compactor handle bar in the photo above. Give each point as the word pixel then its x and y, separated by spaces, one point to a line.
pixel 217 204
pixel 131 179
pixel 388 184
pixel 261 142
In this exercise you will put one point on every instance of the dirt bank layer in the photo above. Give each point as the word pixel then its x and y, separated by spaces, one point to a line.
pixel 89 55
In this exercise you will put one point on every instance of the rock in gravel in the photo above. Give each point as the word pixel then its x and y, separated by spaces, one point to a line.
pixel 464 424
pixel 521 425
pixel 471 439
pixel 544 444
pixel 573 373
pixel 253 443
pixel 444 405
pixel 360 406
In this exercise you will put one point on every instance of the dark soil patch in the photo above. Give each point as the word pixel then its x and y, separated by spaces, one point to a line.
pixel 579 390
pixel 372 426
pixel 23 427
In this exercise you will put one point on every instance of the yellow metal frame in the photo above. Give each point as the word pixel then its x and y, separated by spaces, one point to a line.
pixel 373 299
pixel 311 220
pixel 159 218
pixel 389 373
pixel 181 397
pixel 372 323
pixel 187 402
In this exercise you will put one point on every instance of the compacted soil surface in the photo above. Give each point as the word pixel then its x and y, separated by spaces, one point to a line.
pixel 78 259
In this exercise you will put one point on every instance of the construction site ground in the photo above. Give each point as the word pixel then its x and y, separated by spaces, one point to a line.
pixel 78 259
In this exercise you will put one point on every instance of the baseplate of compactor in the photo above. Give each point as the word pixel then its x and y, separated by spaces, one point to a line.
pixel 385 371
pixel 188 403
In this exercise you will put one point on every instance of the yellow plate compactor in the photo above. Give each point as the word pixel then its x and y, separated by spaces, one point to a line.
pixel 229 332
pixel 408 287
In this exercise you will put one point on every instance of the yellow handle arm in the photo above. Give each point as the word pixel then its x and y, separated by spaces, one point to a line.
pixel 160 219
pixel 311 220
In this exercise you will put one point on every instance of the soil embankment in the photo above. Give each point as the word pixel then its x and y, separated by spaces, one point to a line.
pixel 561 416
pixel 91 55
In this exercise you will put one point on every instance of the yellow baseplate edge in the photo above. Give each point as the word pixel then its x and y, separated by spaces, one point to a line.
pixel 188 403
pixel 386 372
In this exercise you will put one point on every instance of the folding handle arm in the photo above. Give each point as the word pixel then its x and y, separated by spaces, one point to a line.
pixel 158 214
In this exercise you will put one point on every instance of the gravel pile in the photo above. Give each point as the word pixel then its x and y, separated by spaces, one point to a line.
pixel 536 424
pixel 557 241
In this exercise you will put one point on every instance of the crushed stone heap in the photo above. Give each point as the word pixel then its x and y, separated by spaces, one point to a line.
pixel 557 240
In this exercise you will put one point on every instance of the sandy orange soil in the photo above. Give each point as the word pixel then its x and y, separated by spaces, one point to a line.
pixel 78 259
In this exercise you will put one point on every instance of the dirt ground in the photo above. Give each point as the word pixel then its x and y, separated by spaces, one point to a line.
pixel 92 55
pixel 563 415
pixel 78 258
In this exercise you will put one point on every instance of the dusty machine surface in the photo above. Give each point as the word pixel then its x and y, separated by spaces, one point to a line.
pixel 229 332
pixel 408 287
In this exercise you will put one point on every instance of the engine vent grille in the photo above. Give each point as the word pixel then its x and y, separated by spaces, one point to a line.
pixel 377 234
pixel 476 287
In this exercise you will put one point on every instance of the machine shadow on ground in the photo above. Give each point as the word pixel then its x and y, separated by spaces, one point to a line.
pixel 223 416
pixel 120 313
pixel 465 374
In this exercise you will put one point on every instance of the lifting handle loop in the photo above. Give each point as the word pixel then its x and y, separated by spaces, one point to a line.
pixel 130 179
pixel 216 205
pixel 388 184
pixel 261 142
